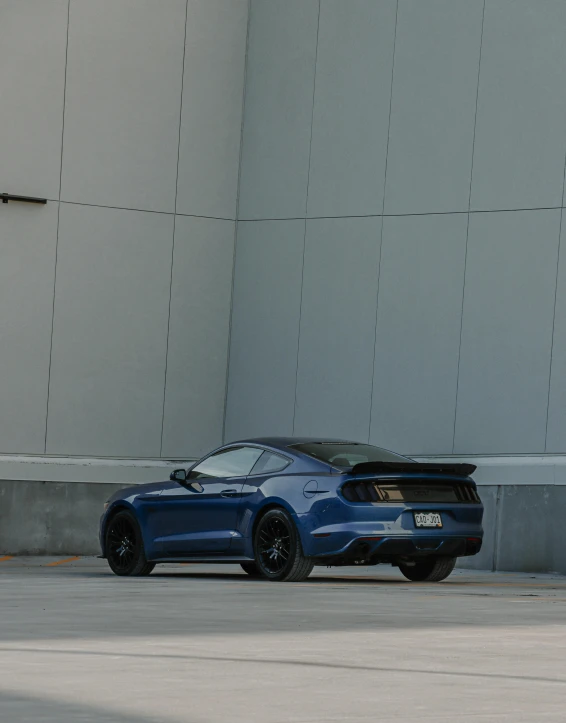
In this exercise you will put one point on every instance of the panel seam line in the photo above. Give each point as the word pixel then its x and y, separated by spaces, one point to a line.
pixel 382 222
pixel 174 229
pixel 554 311
pixel 467 237
pixel 57 235
pixel 236 224
pixel 305 219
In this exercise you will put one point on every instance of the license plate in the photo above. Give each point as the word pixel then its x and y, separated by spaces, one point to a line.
pixel 428 519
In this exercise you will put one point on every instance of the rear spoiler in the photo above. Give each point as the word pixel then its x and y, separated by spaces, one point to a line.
pixel 452 470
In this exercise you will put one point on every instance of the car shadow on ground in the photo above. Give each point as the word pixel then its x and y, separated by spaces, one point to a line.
pixel 313 580
pixel 344 579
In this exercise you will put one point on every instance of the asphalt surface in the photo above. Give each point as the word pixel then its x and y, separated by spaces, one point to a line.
pixel 196 644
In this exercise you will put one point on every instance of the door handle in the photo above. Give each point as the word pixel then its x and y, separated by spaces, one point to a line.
pixel 229 493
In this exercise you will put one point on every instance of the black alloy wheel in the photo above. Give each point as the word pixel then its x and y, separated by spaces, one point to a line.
pixel 278 550
pixel 274 545
pixel 124 546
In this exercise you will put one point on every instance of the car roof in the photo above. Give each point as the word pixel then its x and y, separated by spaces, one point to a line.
pixel 283 443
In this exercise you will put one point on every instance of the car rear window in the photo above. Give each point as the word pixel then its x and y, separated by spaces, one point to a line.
pixel 270 462
pixel 347 454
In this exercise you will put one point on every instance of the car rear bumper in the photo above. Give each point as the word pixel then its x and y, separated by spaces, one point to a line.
pixel 392 548
pixel 397 536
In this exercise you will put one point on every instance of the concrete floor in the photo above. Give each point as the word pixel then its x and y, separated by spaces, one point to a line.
pixel 196 644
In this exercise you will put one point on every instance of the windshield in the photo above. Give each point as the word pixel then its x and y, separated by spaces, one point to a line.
pixel 347 454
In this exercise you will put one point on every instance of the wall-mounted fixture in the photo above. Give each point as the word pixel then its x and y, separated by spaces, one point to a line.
pixel 23 199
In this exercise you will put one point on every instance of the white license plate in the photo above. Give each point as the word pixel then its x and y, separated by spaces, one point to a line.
pixel 428 519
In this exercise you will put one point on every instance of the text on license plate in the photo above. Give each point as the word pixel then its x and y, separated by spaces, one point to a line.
pixel 428 519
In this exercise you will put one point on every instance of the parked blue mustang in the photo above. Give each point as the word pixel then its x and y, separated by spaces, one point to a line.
pixel 281 506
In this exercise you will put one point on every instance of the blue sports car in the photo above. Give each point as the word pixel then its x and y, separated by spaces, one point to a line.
pixel 280 506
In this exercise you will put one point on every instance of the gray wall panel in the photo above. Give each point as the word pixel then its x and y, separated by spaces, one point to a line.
pixel 418 333
pixel 507 332
pixel 351 109
pixel 28 237
pixel 110 332
pixel 529 545
pixel 337 330
pixel 556 431
pixel 33 36
pixel 265 328
pixel 198 336
pixel 213 87
pixel 278 108
pixel 520 134
pixel 434 97
pixel 122 103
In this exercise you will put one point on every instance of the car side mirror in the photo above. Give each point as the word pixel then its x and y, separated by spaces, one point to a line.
pixel 178 475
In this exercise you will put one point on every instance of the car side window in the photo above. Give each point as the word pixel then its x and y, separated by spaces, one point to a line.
pixel 270 462
pixel 233 462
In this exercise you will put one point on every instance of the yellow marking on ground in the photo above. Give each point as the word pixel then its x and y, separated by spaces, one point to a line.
pixel 6 558
pixel 62 562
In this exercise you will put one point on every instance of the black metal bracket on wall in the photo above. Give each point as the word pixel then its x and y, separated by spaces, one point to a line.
pixel 23 199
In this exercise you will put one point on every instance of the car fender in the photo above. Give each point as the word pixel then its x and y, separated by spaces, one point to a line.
pixel 270 502
pixel 114 506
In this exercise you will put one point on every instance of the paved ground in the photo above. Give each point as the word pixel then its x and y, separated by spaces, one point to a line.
pixel 197 644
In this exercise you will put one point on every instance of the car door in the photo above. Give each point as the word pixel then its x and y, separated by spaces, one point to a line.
pixel 200 516
pixel 252 494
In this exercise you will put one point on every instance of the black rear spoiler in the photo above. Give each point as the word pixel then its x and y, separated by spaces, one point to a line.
pixel 452 470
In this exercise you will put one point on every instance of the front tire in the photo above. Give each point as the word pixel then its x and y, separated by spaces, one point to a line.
pixel 432 570
pixel 124 547
pixel 278 551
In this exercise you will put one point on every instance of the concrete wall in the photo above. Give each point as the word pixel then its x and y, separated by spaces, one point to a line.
pixel 115 296
pixel 51 518
pixel 523 527
pixel 398 203
pixel 392 174
pixel 523 523
pixel 397 270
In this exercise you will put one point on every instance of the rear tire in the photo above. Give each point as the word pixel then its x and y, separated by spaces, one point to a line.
pixel 432 570
pixel 278 551
pixel 124 547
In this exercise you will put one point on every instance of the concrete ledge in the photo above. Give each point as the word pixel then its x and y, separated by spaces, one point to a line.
pixel 492 470
pixel 548 469
pixel 100 470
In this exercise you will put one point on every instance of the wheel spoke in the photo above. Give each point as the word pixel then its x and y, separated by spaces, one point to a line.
pixel 274 548
pixel 122 544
